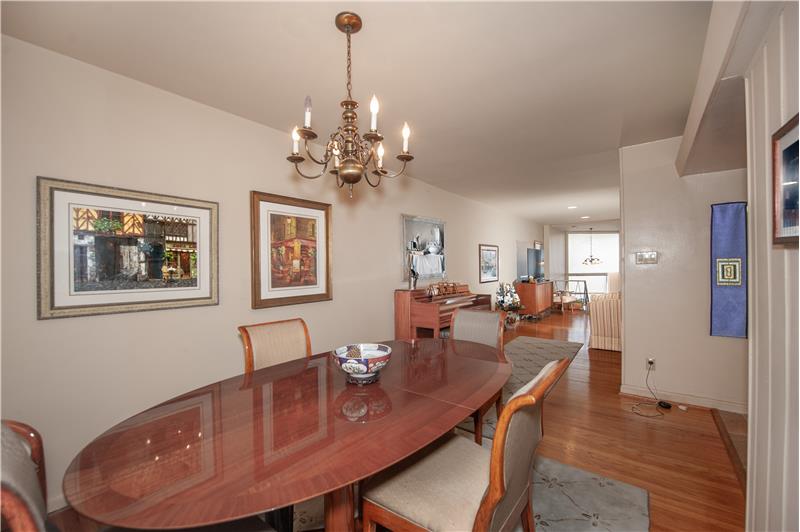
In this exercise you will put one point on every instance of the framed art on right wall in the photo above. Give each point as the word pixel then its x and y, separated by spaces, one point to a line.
pixel 785 184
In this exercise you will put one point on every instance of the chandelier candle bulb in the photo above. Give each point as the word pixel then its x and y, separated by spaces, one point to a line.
pixel 307 119
pixel 295 141
pixel 406 134
pixel 380 155
pixel 373 108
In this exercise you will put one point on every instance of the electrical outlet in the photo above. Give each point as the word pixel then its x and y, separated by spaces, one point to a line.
pixel 651 364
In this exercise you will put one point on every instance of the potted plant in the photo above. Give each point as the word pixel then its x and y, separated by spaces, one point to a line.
pixel 508 301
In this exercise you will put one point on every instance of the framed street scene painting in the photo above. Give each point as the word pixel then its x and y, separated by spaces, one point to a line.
pixel 103 250
pixel 488 263
pixel 290 243
pixel 785 184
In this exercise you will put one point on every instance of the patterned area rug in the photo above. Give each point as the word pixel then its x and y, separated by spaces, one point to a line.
pixel 528 355
pixel 566 498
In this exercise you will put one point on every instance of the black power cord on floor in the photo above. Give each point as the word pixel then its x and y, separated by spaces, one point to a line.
pixel 658 405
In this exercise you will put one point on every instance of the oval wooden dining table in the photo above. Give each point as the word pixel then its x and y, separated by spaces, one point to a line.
pixel 279 436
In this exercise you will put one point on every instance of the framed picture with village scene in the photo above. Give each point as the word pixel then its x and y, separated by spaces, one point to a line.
pixel 290 250
pixel 104 250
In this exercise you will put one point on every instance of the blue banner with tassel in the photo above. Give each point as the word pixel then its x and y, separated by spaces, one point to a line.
pixel 729 269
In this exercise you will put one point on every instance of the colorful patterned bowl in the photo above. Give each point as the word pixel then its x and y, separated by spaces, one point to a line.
pixel 362 362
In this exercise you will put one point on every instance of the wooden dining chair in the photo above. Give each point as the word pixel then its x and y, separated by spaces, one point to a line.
pixel 24 488
pixel 268 344
pixel 274 342
pixel 483 327
pixel 455 484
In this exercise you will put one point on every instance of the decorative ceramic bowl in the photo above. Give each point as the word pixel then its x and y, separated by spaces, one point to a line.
pixel 362 362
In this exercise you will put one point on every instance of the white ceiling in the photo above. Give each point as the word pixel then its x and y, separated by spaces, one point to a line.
pixel 519 105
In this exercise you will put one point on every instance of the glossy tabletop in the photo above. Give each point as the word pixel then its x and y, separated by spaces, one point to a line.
pixel 278 436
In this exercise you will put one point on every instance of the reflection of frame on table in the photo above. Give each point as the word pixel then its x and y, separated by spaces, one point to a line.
pixel 270 451
pixel 206 403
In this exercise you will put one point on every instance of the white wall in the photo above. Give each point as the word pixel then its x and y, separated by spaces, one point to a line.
pixel 555 253
pixel 666 307
pixel 772 466
pixel 74 378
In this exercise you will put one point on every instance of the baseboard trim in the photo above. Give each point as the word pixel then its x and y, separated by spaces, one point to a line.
pixel 687 399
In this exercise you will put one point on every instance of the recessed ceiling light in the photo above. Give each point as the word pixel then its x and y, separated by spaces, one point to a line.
pixel 572 207
pixel 584 217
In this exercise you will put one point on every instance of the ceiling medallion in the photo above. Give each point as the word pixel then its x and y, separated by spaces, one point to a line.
pixel 591 260
pixel 348 152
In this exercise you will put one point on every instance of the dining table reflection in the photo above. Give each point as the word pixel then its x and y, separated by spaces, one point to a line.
pixel 278 436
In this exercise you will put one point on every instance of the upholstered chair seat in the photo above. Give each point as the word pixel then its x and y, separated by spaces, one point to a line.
pixel 439 488
pixel 455 484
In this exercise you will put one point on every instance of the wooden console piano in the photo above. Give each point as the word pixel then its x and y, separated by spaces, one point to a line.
pixel 418 315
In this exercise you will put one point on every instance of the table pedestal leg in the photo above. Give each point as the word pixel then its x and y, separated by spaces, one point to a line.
pixel 339 510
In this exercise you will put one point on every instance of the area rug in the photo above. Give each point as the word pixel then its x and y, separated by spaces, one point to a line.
pixel 566 498
pixel 528 356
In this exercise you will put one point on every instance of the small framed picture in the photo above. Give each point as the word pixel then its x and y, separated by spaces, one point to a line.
pixel 290 248
pixel 103 250
pixel 646 257
pixel 785 184
pixel 488 263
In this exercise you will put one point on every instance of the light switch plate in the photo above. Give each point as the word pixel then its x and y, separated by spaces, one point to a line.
pixel 646 257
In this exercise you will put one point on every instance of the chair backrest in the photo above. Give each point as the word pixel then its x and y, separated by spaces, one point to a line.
pixel 481 326
pixel 267 344
pixel 22 500
pixel 519 430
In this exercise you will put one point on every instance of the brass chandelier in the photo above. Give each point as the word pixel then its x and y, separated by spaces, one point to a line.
pixel 348 153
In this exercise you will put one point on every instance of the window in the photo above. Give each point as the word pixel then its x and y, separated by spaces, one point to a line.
pixel 604 246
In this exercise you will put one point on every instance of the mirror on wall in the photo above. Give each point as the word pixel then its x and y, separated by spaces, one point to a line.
pixel 424 247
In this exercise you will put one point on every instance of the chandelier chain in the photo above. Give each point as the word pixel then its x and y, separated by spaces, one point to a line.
pixel 349 69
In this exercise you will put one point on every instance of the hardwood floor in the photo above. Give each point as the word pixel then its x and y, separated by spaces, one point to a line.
pixel 679 458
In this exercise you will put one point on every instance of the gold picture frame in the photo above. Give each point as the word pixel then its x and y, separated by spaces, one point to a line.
pixel 106 250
